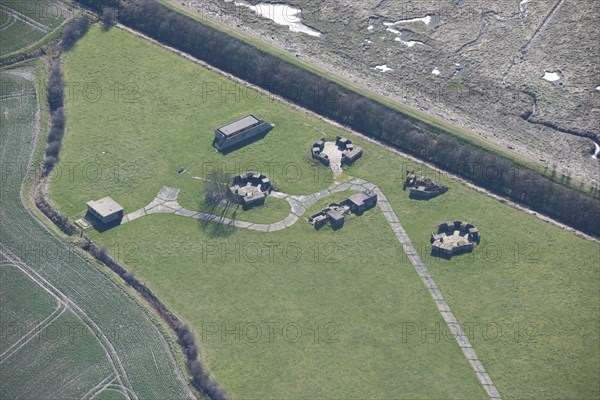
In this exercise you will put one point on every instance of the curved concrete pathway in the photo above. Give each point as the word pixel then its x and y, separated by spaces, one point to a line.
pixel 166 202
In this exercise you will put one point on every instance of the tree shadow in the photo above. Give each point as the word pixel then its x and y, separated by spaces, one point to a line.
pixel 218 224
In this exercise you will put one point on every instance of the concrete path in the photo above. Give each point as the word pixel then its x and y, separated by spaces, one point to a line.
pixel 335 157
pixel 166 202
pixel 451 321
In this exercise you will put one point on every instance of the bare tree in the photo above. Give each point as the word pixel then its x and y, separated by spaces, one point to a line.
pixel 216 191
pixel 217 201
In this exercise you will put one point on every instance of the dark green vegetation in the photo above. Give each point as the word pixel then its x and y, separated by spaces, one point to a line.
pixel 429 142
pixel 353 285
pixel 116 329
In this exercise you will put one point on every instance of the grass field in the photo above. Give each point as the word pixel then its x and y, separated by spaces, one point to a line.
pixel 71 368
pixel 532 282
pixel 367 356
pixel 109 394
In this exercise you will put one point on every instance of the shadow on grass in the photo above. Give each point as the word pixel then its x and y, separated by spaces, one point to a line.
pixel 215 224
pixel 99 225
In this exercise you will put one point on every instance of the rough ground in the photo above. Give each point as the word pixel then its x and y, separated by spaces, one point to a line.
pixel 486 54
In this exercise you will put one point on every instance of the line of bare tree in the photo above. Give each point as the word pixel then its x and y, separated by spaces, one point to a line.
pixel 55 93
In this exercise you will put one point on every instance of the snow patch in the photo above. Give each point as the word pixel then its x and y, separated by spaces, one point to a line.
pixel 427 20
pixel 595 155
pixel 435 71
pixel 281 14
pixel 551 76
pixel 409 43
pixel 383 68
pixel 370 27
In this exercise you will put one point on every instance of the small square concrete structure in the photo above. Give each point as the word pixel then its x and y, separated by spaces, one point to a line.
pixel 361 202
pixel 106 210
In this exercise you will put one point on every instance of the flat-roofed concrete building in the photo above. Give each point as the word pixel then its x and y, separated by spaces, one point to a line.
pixel 250 189
pixel 336 219
pixel 453 238
pixel 360 202
pixel 335 212
pixel 240 132
pixel 106 210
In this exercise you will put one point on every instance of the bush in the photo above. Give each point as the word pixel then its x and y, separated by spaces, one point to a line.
pixel 59 120
pixel 56 86
pixel 49 163
pixel 59 220
pixel 53 149
pixel 56 134
pixel 74 31
pixel 109 16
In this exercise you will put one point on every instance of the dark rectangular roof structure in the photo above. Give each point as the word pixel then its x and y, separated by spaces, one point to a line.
pixel 334 215
pixel 239 125
pixel 358 198
pixel 105 206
